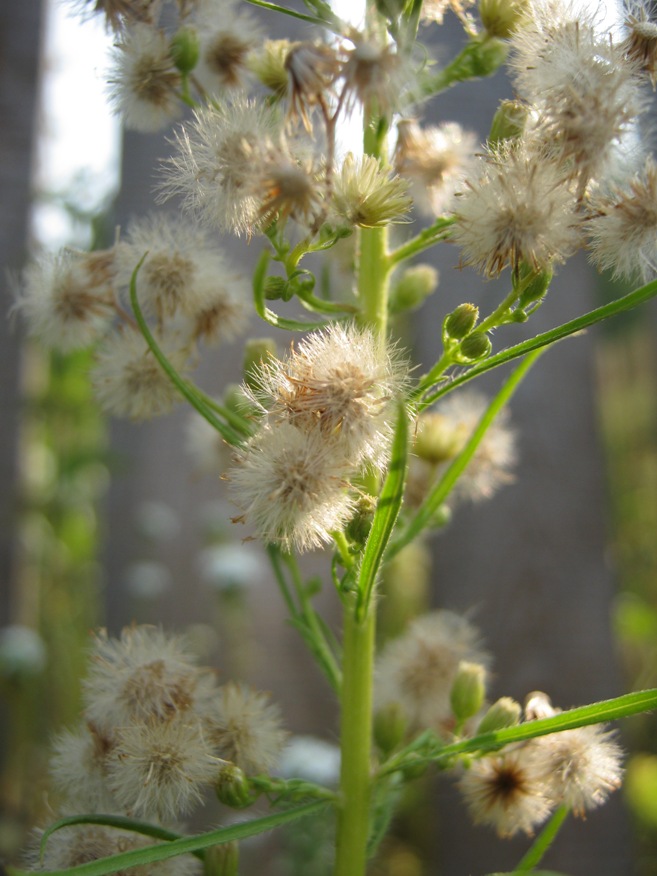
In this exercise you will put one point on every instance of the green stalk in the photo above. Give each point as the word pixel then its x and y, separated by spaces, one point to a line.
pixel 542 842
pixel 355 742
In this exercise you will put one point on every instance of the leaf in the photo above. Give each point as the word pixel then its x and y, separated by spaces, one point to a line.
pixel 182 846
pixel 264 312
pixel 385 516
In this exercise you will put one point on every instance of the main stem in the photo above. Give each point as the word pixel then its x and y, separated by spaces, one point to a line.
pixel 359 633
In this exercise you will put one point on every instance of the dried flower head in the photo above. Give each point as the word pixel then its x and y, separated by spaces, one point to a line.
pixel 127 379
pixel 375 74
pixel 246 728
pixel 416 670
pixel 507 791
pixel 641 40
pixel 366 194
pixel 67 299
pixel 218 158
pixel 119 13
pixel 312 68
pixel 144 80
pixel 267 62
pixel 144 676
pixel 436 160
pixel 342 381
pixel 434 10
pixel 292 487
pixel 623 227
pixel 519 210
pixel 159 768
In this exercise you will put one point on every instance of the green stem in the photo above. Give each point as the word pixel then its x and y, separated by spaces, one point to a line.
pixel 274 7
pixel 542 842
pixel 440 230
pixel 355 742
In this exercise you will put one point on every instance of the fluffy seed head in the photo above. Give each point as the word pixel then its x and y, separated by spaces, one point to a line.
pixel 582 766
pixel 246 728
pixel 417 670
pixel 507 792
pixel 292 487
pixel 127 379
pixel 144 676
pixel 144 81
pixel 436 159
pixel 78 768
pixel 227 35
pixel 519 210
pixel 623 227
pixel 160 768
pixel 67 299
pixel 218 156
pixel 342 381
pixel 312 68
pixel 374 73
pixel 641 41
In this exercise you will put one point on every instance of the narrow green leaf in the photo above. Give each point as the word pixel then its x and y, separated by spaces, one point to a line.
pixel 121 822
pixel 184 846
pixel 186 389
pixel 274 7
pixel 385 516
pixel 542 842
pixel 445 485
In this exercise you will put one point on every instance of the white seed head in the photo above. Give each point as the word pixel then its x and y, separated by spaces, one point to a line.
pixel 67 299
pixel 343 381
pixel 145 676
pixel 227 35
pixel 127 379
pixel 160 768
pixel 246 728
pixel 143 80
pixel 436 159
pixel 416 670
pixel 518 210
pixel 507 791
pixel 292 487
pixel 217 158
pixel 78 769
pixel 623 226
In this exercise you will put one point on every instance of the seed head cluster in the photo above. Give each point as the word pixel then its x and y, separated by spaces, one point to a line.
pixel 157 732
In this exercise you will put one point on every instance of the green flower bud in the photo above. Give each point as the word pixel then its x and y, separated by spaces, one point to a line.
pixel 503 713
pixel 502 17
pixel 536 290
pixel 476 346
pixel 508 122
pixel 460 322
pixel 185 49
pixel 233 788
pixel 256 351
pixel 221 860
pixel 390 727
pixel 468 690
pixel 437 439
pixel 414 285
pixel 277 288
pixel 487 56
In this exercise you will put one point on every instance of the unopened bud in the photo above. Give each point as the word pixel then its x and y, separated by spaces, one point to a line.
pixel 476 346
pixel 221 860
pixel 508 122
pixel 268 64
pixel 390 726
pixel 256 351
pixel 468 690
pixel 185 49
pixel 536 289
pixel 503 713
pixel 460 322
pixel 437 438
pixel 233 788
pixel 414 285
pixel 538 705
pixel 277 288
pixel 502 17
